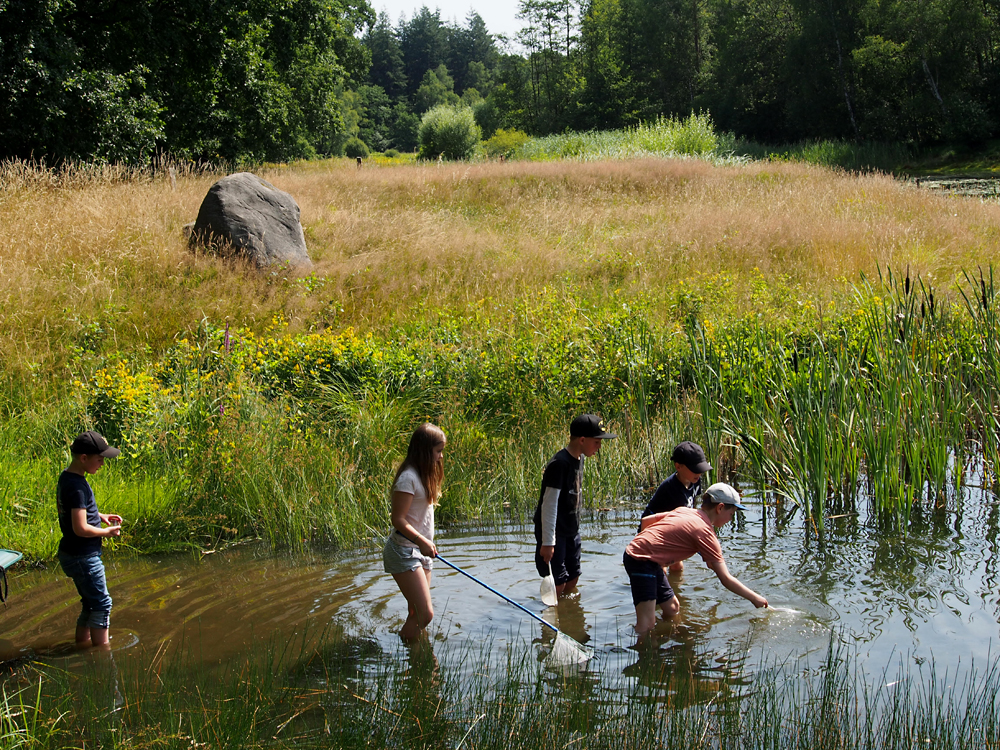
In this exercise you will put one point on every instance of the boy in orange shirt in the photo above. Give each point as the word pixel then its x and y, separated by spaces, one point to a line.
pixel 667 538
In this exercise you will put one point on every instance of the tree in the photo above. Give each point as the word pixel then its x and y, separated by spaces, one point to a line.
pixel 749 75
pixel 448 131
pixel 437 87
pixel 424 44
pixel 230 79
pixel 387 69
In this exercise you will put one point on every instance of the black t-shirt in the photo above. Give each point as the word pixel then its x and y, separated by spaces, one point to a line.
pixel 670 495
pixel 73 491
pixel 563 473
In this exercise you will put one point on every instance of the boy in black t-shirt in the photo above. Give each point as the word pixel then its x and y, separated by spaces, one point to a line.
pixel 681 488
pixel 557 521
pixel 80 546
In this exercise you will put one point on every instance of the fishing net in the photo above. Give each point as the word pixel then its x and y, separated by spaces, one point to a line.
pixel 568 653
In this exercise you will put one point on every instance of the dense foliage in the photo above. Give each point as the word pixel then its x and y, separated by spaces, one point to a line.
pixel 278 79
pixel 769 70
pixel 766 69
pixel 231 80
pixel 448 132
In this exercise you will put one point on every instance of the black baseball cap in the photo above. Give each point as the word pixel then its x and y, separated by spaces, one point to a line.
pixel 691 455
pixel 589 425
pixel 92 443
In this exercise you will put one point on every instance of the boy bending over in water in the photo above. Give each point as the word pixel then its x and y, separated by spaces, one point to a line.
pixel 667 538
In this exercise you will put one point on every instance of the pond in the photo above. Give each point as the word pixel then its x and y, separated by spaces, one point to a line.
pixel 976 187
pixel 929 594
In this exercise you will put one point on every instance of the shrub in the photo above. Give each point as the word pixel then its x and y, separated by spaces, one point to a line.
pixel 356 147
pixel 505 142
pixel 391 153
pixel 448 131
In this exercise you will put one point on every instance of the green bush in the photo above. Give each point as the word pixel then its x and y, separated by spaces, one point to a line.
pixel 356 147
pixel 448 131
pixel 391 153
pixel 505 142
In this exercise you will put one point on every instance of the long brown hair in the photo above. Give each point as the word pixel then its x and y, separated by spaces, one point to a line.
pixel 420 456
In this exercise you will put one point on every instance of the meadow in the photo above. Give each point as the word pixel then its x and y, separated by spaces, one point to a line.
pixel 816 329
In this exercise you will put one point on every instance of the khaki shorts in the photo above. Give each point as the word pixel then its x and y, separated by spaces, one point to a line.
pixel 401 557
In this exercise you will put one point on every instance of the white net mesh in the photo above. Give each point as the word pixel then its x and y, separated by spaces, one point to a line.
pixel 566 652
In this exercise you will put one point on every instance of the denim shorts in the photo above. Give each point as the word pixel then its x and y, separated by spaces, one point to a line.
pixel 398 557
pixel 647 580
pixel 87 572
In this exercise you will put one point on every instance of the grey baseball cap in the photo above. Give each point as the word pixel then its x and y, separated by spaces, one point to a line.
pixel 721 492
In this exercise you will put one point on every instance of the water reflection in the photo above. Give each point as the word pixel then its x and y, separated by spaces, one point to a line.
pixel 930 592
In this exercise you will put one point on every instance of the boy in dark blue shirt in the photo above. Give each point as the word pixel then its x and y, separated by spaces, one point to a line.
pixel 681 488
pixel 82 536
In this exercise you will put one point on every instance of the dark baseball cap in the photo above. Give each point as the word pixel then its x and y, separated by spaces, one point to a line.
pixel 92 443
pixel 691 455
pixel 720 492
pixel 589 425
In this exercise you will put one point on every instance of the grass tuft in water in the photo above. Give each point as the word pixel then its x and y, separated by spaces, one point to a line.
pixel 342 691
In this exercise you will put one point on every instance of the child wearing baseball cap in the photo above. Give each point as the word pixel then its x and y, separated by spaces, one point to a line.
pixel 680 489
pixel 667 538
pixel 557 522
pixel 84 528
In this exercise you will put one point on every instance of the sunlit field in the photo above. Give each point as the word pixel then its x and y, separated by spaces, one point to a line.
pixel 676 297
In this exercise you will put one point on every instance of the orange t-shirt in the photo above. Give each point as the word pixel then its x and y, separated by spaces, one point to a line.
pixel 677 536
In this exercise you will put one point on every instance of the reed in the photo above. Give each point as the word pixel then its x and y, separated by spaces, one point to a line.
pixel 673 297
pixel 666 136
pixel 342 691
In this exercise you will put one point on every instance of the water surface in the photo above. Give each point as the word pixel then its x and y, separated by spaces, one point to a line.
pixel 931 594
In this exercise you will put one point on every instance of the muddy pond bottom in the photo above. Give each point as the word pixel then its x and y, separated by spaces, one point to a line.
pixel 929 595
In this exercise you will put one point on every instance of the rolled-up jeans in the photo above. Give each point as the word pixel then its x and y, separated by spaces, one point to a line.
pixel 87 572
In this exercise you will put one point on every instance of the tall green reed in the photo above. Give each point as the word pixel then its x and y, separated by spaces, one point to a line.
pixel 664 136
pixel 342 691
pixel 982 303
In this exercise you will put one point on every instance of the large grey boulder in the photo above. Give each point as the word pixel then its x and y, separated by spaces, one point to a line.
pixel 249 217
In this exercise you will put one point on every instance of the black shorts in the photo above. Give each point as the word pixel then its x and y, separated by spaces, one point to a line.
pixel 565 559
pixel 647 580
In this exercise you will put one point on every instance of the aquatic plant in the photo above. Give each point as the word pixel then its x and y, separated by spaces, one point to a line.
pixel 342 691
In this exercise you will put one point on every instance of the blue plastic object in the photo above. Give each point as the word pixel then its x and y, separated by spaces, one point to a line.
pixel 7 558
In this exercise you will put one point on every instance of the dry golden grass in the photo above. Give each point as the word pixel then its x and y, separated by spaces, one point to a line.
pixel 110 250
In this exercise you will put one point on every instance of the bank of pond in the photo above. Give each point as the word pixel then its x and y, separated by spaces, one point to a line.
pixel 875 638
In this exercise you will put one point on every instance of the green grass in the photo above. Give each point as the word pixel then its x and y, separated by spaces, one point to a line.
pixel 847 155
pixel 666 136
pixel 678 298
pixel 341 691
pixel 293 438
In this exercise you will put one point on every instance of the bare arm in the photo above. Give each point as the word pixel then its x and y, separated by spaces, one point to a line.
pixel 400 507
pixel 78 516
pixel 730 582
